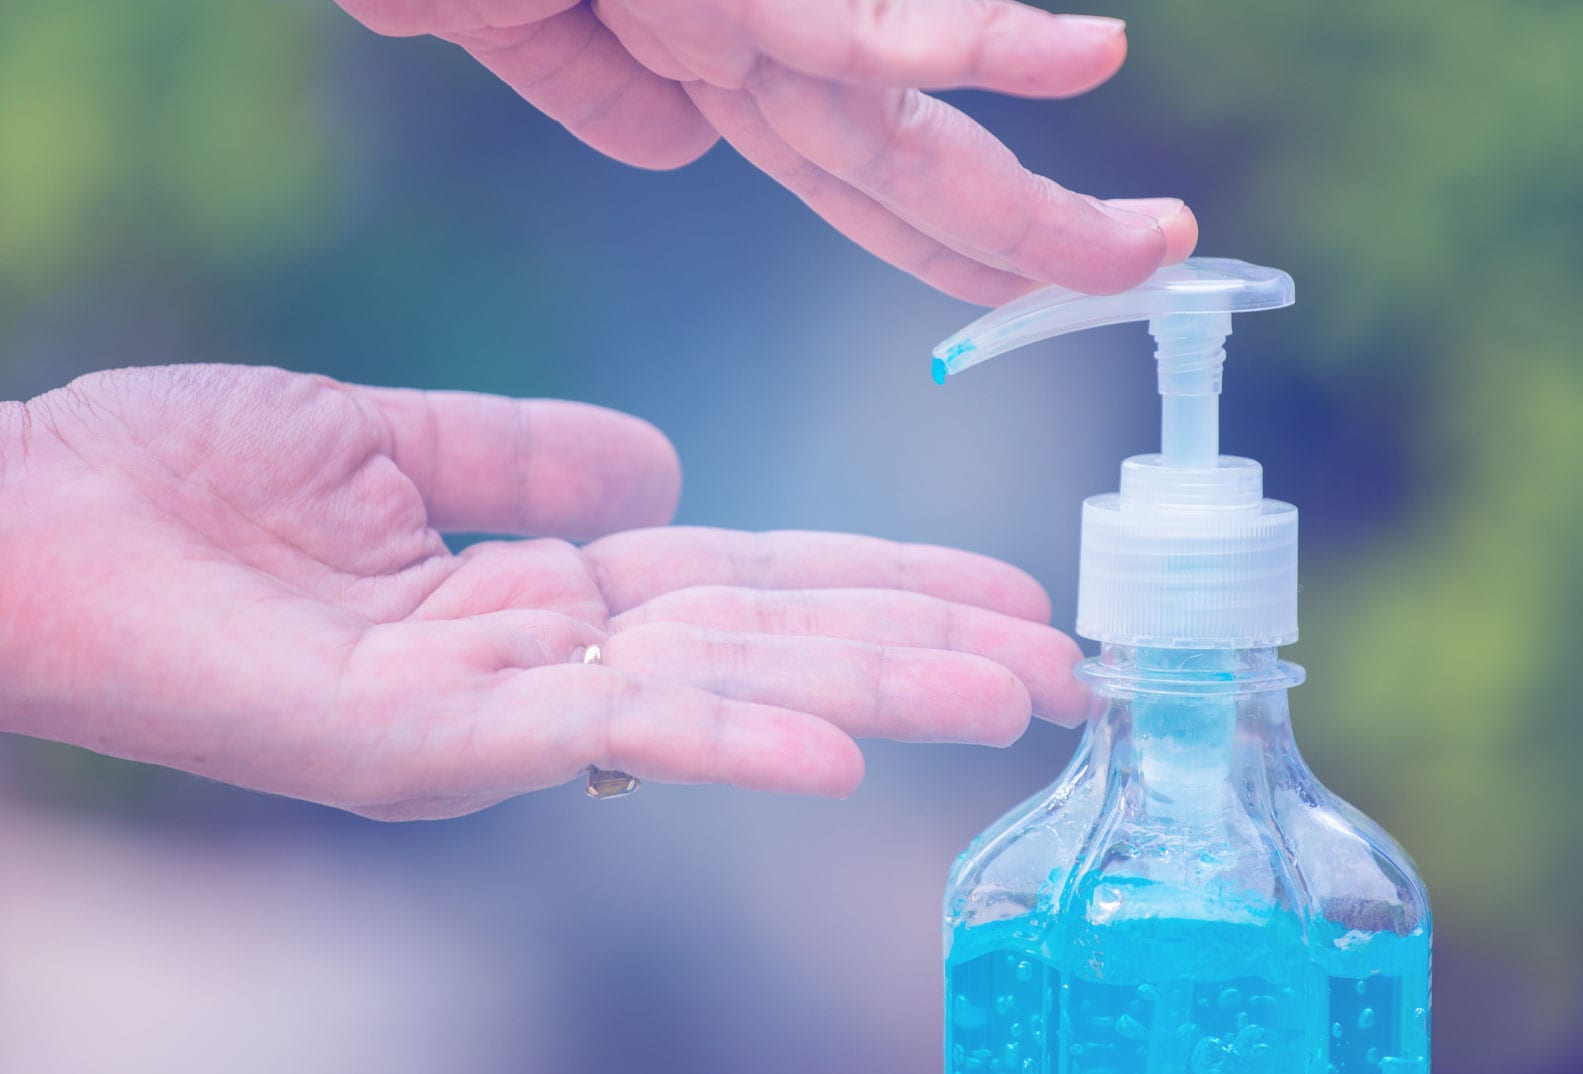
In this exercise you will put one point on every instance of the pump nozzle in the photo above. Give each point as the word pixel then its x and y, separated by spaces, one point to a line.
pixel 1197 285
pixel 1188 307
pixel 1188 554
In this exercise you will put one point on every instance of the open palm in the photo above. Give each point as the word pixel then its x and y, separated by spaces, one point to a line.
pixel 239 572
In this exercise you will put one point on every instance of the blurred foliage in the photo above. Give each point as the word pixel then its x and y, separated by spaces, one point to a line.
pixel 1416 167
pixel 180 132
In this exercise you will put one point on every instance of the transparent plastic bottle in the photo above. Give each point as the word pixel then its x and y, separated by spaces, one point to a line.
pixel 1003 973
pixel 1186 898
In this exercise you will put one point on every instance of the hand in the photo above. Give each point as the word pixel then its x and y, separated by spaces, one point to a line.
pixel 825 96
pixel 239 572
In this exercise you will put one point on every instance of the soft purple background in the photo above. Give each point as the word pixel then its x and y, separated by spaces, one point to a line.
pixel 450 237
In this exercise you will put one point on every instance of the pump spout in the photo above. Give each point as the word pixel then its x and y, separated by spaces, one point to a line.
pixel 1197 285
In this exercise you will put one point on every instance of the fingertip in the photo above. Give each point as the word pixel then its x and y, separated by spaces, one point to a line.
pixel 792 752
pixel 1099 26
pixel 840 770
pixel 848 776
pixel 968 698
pixel 1046 661
pixel 1104 51
pixel 1068 718
pixel 673 138
pixel 1023 596
pixel 1012 48
pixel 660 494
pixel 1175 220
pixel 668 154
pixel 1129 247
pixel 1014 592
pixel 1181 235
pixel 596 471
pixel 978 580
pixel 1012 713
pixel 1065 699
pixel 648 493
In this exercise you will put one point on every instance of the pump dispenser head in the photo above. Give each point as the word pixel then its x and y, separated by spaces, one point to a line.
pixel 1188 554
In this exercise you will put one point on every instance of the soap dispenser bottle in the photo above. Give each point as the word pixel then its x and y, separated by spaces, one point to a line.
pixel 1186 898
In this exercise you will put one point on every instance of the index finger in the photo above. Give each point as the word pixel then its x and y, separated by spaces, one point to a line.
pixel 999 45
pixel 639 565
pixel 531 467
pixel 951 178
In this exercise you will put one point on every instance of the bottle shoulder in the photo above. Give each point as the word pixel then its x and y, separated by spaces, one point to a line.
pixel 1201 856
pixel 1006 869
pixel 1166 828
pixel 1356 875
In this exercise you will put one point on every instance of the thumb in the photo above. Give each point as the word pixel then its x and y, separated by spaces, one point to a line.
pixel 531 467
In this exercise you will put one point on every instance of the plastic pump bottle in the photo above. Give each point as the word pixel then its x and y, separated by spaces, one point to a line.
pixel 1186 898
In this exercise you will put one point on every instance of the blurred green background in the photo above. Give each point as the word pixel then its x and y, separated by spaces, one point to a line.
pixel 1417 168
pixel 268 182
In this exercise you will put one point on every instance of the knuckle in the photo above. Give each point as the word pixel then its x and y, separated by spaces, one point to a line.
pixel 874 25
pixel 883 42
pixel 713 761
pixel 903 124
pixel 794 613
pixel 1016 241
pixel 558 553
pixel 882 671
pixel 615 744
pixel 903 558
pixel 755 557
pixel 875 14
pixel 756 72
pixel 494 38
pixel 724 605
pixel 951 624
pixel 638 648
pixel 728 657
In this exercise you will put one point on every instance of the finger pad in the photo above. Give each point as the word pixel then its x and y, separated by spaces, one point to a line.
pixel 1065 73
pixel 1181 235
pixel 615 472
pixel 800 754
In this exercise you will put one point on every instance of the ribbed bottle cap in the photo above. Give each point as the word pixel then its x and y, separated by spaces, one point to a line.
pixel 1189 558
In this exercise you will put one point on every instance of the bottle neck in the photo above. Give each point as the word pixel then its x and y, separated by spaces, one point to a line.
pixel 1186 724
pixel 1145 669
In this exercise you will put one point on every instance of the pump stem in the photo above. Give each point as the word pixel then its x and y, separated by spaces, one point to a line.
pixel 1191 351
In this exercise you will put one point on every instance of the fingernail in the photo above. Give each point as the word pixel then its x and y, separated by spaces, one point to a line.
pixel 1095 23
pixel 1159 208
pixel 1129 217
pixel 1062 719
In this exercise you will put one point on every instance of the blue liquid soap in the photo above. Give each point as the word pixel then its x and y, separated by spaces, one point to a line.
pixel 1185 996
pixel 1187 898
pixel 1001 995
pixel 1377 999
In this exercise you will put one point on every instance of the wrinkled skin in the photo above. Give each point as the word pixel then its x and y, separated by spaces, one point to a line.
pixel 826 96
pixel 239 572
